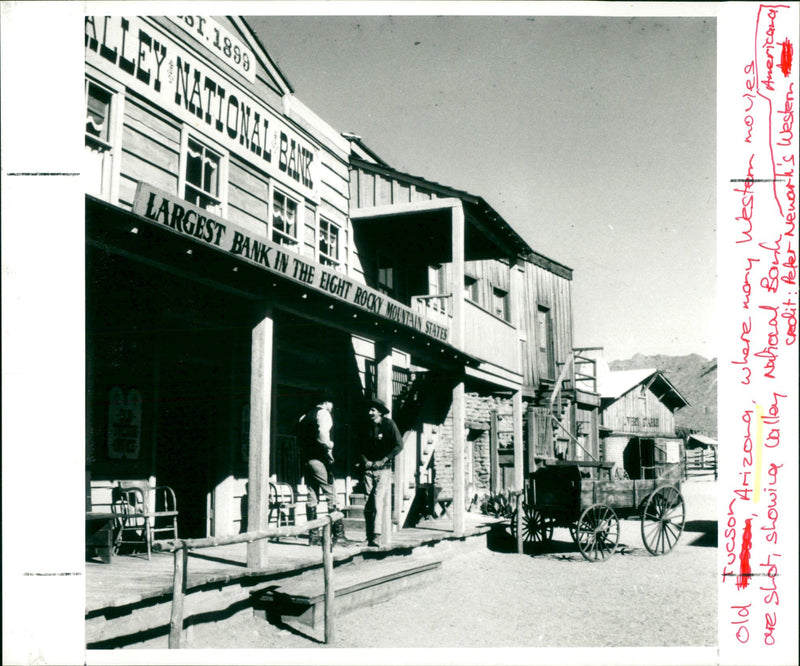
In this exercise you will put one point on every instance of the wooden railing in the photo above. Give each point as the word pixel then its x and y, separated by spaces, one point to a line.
pixel 698 462
pixel 181 548
pixel 436 307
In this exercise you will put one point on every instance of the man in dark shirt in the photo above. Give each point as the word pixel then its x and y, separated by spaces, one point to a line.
pixel 382 444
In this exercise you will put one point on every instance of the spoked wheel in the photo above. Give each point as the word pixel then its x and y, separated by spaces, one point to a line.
pixel 597 532
pixel 535 527
pixel 663 517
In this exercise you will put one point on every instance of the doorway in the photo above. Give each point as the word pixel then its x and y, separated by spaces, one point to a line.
pixel 193 412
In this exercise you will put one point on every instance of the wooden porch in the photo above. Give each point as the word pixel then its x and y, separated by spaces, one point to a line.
pixel 128 601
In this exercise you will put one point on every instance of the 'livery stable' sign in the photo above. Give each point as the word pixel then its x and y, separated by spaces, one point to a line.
pixel 148 61
pixel 192 222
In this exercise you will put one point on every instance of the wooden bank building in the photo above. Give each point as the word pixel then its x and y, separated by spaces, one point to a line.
pixel 242 255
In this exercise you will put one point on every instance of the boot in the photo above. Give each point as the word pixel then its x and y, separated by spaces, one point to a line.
pixel 370 525
pixel 338 533
pixel 314 537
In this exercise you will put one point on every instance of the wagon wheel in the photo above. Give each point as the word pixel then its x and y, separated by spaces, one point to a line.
pixel 535 527
pixel 597 532
pixel 663 518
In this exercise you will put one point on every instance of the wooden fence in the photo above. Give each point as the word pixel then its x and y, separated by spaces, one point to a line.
pixel 181 548
pixel 700 461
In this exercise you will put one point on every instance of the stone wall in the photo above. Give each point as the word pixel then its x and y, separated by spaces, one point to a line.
pixel 477 409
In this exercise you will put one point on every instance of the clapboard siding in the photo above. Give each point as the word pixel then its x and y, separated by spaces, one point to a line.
pixel 156 126
pixel 333 197
pixel 543 288
pixel 134 168
pixel 636 412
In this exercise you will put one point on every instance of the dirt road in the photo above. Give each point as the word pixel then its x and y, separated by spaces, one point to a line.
pixel 484 597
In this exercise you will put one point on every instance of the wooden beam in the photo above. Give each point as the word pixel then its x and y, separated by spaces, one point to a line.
pixel 383 382
pixel 260 422
pixel 457 287
pixel 178 595
pixel 519 441
pixel 494 459
pixel 459 491
pixel 327 566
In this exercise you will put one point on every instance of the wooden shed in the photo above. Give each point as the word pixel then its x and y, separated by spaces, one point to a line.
pixel 638 421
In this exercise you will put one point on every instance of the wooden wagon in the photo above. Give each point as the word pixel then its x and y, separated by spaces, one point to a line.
pixel 589 499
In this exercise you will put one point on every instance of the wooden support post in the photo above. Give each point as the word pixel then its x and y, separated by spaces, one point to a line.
pixel 518 518
pixel 459 446
pixel 458 251
pixel 519 442
pixel 327 566
pixel 260 422
pixel 179 574
pixel 494 454
pixel 383 379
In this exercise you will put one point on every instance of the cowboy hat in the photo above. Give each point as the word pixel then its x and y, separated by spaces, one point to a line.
pixel 378 404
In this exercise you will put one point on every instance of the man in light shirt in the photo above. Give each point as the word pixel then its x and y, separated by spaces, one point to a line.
pixel 314 435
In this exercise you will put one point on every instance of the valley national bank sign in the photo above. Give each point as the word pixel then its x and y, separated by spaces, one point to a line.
pixel 198 224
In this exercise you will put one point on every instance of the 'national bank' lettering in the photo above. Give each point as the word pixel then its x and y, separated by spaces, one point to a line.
pixel 224 109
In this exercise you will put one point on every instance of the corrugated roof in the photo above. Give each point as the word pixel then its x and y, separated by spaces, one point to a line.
pixel 707 441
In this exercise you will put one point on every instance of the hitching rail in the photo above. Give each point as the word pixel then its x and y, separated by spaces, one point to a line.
pixel 181 548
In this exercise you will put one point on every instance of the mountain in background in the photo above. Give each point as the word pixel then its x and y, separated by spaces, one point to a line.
pixel 695 378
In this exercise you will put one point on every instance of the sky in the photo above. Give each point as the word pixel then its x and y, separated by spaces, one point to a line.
pixel 594 137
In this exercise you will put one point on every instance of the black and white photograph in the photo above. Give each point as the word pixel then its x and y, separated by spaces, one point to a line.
pixel 399 333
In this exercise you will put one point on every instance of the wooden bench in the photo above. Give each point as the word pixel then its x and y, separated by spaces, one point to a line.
pixel 357 584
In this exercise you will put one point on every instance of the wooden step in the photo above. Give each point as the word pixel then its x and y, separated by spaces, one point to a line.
pixel 358 499
pixel 357 584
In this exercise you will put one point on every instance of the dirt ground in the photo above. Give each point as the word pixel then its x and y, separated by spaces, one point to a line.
pixel 486 596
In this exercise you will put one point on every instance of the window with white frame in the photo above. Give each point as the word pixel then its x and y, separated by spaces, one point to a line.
pixel 330 243
pixel 203 176
pixel 100 138
pixel 285 218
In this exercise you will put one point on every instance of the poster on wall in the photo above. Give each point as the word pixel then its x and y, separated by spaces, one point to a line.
pixel 124 423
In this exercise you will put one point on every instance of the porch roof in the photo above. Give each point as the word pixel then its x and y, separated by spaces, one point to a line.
pixel 116 231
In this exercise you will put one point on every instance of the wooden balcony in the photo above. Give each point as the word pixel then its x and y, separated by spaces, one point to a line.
pixel 488 337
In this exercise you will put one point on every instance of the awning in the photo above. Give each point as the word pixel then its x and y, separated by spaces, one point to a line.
pixel 702 440
pixel 113 229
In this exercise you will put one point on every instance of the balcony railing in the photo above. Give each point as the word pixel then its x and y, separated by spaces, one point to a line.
pixel 488 337
pixel 436 307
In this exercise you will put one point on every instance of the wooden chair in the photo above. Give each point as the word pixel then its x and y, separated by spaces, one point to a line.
pixel 282 504
pixel 136 522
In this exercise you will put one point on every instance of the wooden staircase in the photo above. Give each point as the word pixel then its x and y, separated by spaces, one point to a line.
pixel 300 600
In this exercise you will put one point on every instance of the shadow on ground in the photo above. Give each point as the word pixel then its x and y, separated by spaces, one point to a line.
pixel 707 531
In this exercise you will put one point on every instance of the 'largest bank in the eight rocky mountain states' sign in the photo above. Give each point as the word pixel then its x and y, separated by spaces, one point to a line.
pixel 187 220
pixel 147 60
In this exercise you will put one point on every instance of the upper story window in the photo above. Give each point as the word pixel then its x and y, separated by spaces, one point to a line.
pixel 500 304
pixel 203 177
pixel 98 116
pixel 285 218
pixel 545 348
pixel 101 137
pixel 330 246
pixel 471 288
pixel 386 277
